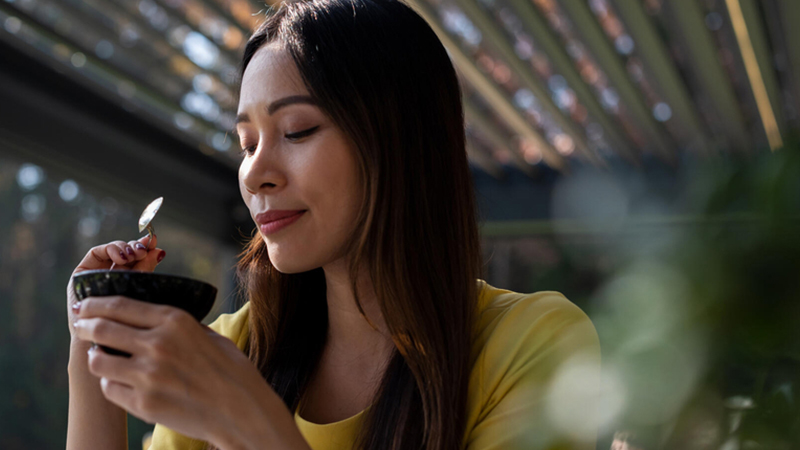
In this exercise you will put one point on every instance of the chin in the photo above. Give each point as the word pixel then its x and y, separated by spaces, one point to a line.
pixel 289 262
pixel 288 268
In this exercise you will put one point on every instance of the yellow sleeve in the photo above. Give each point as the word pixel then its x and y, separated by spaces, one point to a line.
pixel 234 327
pixel 539 373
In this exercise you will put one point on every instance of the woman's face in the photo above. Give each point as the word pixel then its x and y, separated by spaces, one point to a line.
pixel 295 159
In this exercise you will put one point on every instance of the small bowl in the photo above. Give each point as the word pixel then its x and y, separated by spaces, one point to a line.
pixel 193 296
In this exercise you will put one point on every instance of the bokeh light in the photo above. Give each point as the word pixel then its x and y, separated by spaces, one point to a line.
pixel 29 176
pixel 68 190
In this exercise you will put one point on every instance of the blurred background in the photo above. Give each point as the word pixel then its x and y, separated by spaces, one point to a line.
pixel 640 156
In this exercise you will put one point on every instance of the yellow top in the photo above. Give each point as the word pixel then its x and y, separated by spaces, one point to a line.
pixel 522 393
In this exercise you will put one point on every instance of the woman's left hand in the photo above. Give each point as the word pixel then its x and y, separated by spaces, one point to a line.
pixel 181 374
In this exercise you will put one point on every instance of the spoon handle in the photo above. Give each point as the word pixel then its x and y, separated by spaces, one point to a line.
pixel 150 232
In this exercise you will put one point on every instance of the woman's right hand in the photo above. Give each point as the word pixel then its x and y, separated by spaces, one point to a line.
pixel 132 255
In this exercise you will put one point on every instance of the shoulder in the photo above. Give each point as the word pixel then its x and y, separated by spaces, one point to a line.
pixel 508 320
pixel 524 345
pixel 233 326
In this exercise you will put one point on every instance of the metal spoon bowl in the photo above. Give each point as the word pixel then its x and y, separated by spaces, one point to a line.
pixel 147 216
pixel 144 221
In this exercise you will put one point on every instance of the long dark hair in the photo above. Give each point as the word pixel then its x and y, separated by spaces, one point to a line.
pixel 380 73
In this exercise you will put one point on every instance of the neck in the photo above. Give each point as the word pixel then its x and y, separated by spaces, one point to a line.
pixel 350 338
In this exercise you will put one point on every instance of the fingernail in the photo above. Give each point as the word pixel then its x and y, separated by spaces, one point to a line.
pixel 161 255
pixel 76 307
pixel 139 246
pixel 122 255
pixel 129 251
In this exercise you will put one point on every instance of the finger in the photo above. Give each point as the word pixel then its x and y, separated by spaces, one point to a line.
pixel 96 258
pixel 145 240
pixel 102 331
pixel 116 368
pixel 209 330
pixel 130 254
pixel 139 249
pixel 151 260
pixel 134 313
pixel 143 246
pixel 124 251
pixel 118 393
pixel 116 253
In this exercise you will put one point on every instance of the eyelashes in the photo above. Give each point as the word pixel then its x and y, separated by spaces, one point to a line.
pixel 289 137
pixel 301 134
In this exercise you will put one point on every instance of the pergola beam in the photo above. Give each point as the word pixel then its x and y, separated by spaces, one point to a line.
pixel 549 44
pixel 758 63
pixel 606 56
pixel 661 68
pixel 500 43
pixel 484 161
pixel 230 56
pixel 496 137
pixel 696 41
pixel 489 91
pixel 152 36
pixel 215 7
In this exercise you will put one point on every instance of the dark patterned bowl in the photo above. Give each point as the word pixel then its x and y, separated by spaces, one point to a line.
pixel 193 296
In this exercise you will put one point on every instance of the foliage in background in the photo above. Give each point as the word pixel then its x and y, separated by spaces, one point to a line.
pixel 698 311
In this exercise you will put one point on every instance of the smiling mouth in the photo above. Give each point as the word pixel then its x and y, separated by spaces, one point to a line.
pixel 274 226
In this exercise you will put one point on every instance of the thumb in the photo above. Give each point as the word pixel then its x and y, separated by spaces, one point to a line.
pixel 149 263
pixel 145 240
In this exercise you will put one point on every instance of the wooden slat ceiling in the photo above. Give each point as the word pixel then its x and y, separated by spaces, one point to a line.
pixel 545 81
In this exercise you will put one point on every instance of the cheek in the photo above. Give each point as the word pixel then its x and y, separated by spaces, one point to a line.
pixel 335 179
pixel 331 189
pixel 344 201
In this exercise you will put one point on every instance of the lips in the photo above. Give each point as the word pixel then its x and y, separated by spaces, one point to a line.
pixel 273 215
pixel 271 222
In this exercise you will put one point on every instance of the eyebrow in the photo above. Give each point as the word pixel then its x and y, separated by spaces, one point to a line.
pixel 278 104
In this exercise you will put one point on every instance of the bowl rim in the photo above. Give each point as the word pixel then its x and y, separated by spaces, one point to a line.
pixel 142 272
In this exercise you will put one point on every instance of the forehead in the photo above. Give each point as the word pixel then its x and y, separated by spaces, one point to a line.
pixel 270 75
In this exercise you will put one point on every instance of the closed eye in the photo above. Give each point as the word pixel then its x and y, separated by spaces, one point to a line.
pixel 301 134
pixel 290 137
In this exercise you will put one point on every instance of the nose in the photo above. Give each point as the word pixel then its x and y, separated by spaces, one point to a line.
pixel 262 172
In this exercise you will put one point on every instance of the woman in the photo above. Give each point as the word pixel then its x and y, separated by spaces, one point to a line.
pixel 367 325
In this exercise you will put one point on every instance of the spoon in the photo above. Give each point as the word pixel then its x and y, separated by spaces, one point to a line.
pixel 147 216
pixel 144 221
